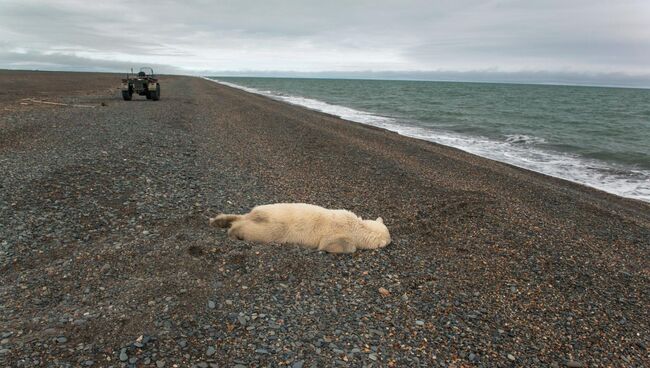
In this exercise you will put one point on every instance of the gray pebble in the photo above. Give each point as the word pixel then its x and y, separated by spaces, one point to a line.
pixel 123 356
pixel 242 320
pixel 211 350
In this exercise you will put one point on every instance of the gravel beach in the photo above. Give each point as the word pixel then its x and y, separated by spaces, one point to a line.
pixel 106 258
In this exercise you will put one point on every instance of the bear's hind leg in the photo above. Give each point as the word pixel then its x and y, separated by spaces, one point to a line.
pixel 235 232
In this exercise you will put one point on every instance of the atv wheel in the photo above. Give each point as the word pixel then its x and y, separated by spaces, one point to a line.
pixel 156 95
pixel 127 95
pixel 149 95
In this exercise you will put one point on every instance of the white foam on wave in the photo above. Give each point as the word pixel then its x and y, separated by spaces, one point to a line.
pixel 523 139
pixel 518 150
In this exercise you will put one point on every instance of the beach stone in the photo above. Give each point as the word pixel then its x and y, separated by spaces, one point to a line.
pixel 511 357
pixel 298 364
pixel 574 364
pixel 160 363
pixel 123 356
pixel 242 320
pixel 211 350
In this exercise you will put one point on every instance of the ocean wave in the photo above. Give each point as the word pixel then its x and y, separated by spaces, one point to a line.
pixel 517 149
pixel 523 139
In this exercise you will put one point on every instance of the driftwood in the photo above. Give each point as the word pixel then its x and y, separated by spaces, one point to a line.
pixel 56 103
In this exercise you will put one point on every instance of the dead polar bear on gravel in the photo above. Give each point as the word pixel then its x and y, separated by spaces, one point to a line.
pixel 334 231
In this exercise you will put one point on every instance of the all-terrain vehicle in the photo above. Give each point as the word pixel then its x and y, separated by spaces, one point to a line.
pixel 144 83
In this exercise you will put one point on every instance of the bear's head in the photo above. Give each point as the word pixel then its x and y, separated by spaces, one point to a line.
pixel 380 235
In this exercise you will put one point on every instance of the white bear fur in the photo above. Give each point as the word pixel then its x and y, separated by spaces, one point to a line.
pixel 334 231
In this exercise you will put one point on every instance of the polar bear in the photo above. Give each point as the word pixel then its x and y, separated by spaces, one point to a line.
pixel 334 231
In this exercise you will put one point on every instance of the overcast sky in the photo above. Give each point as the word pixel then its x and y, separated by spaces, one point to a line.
pixel 564 38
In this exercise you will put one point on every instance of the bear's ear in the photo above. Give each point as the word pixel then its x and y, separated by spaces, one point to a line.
pixel 380 220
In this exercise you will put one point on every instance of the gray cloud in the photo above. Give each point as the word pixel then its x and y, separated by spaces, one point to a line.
pixel 507 37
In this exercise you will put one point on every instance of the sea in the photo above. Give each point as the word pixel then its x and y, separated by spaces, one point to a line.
pixel 596 136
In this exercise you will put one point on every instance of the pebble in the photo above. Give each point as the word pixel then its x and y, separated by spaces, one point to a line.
pixel 511 357
pixel 160 363
pixel 574 364
pixel 105 267
pixel 123 355
pixel 61 339
pixel 372 356
pixel 242 320
pixel 419 323
pixel 211 304
pixel 211 350
pixel 298 364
